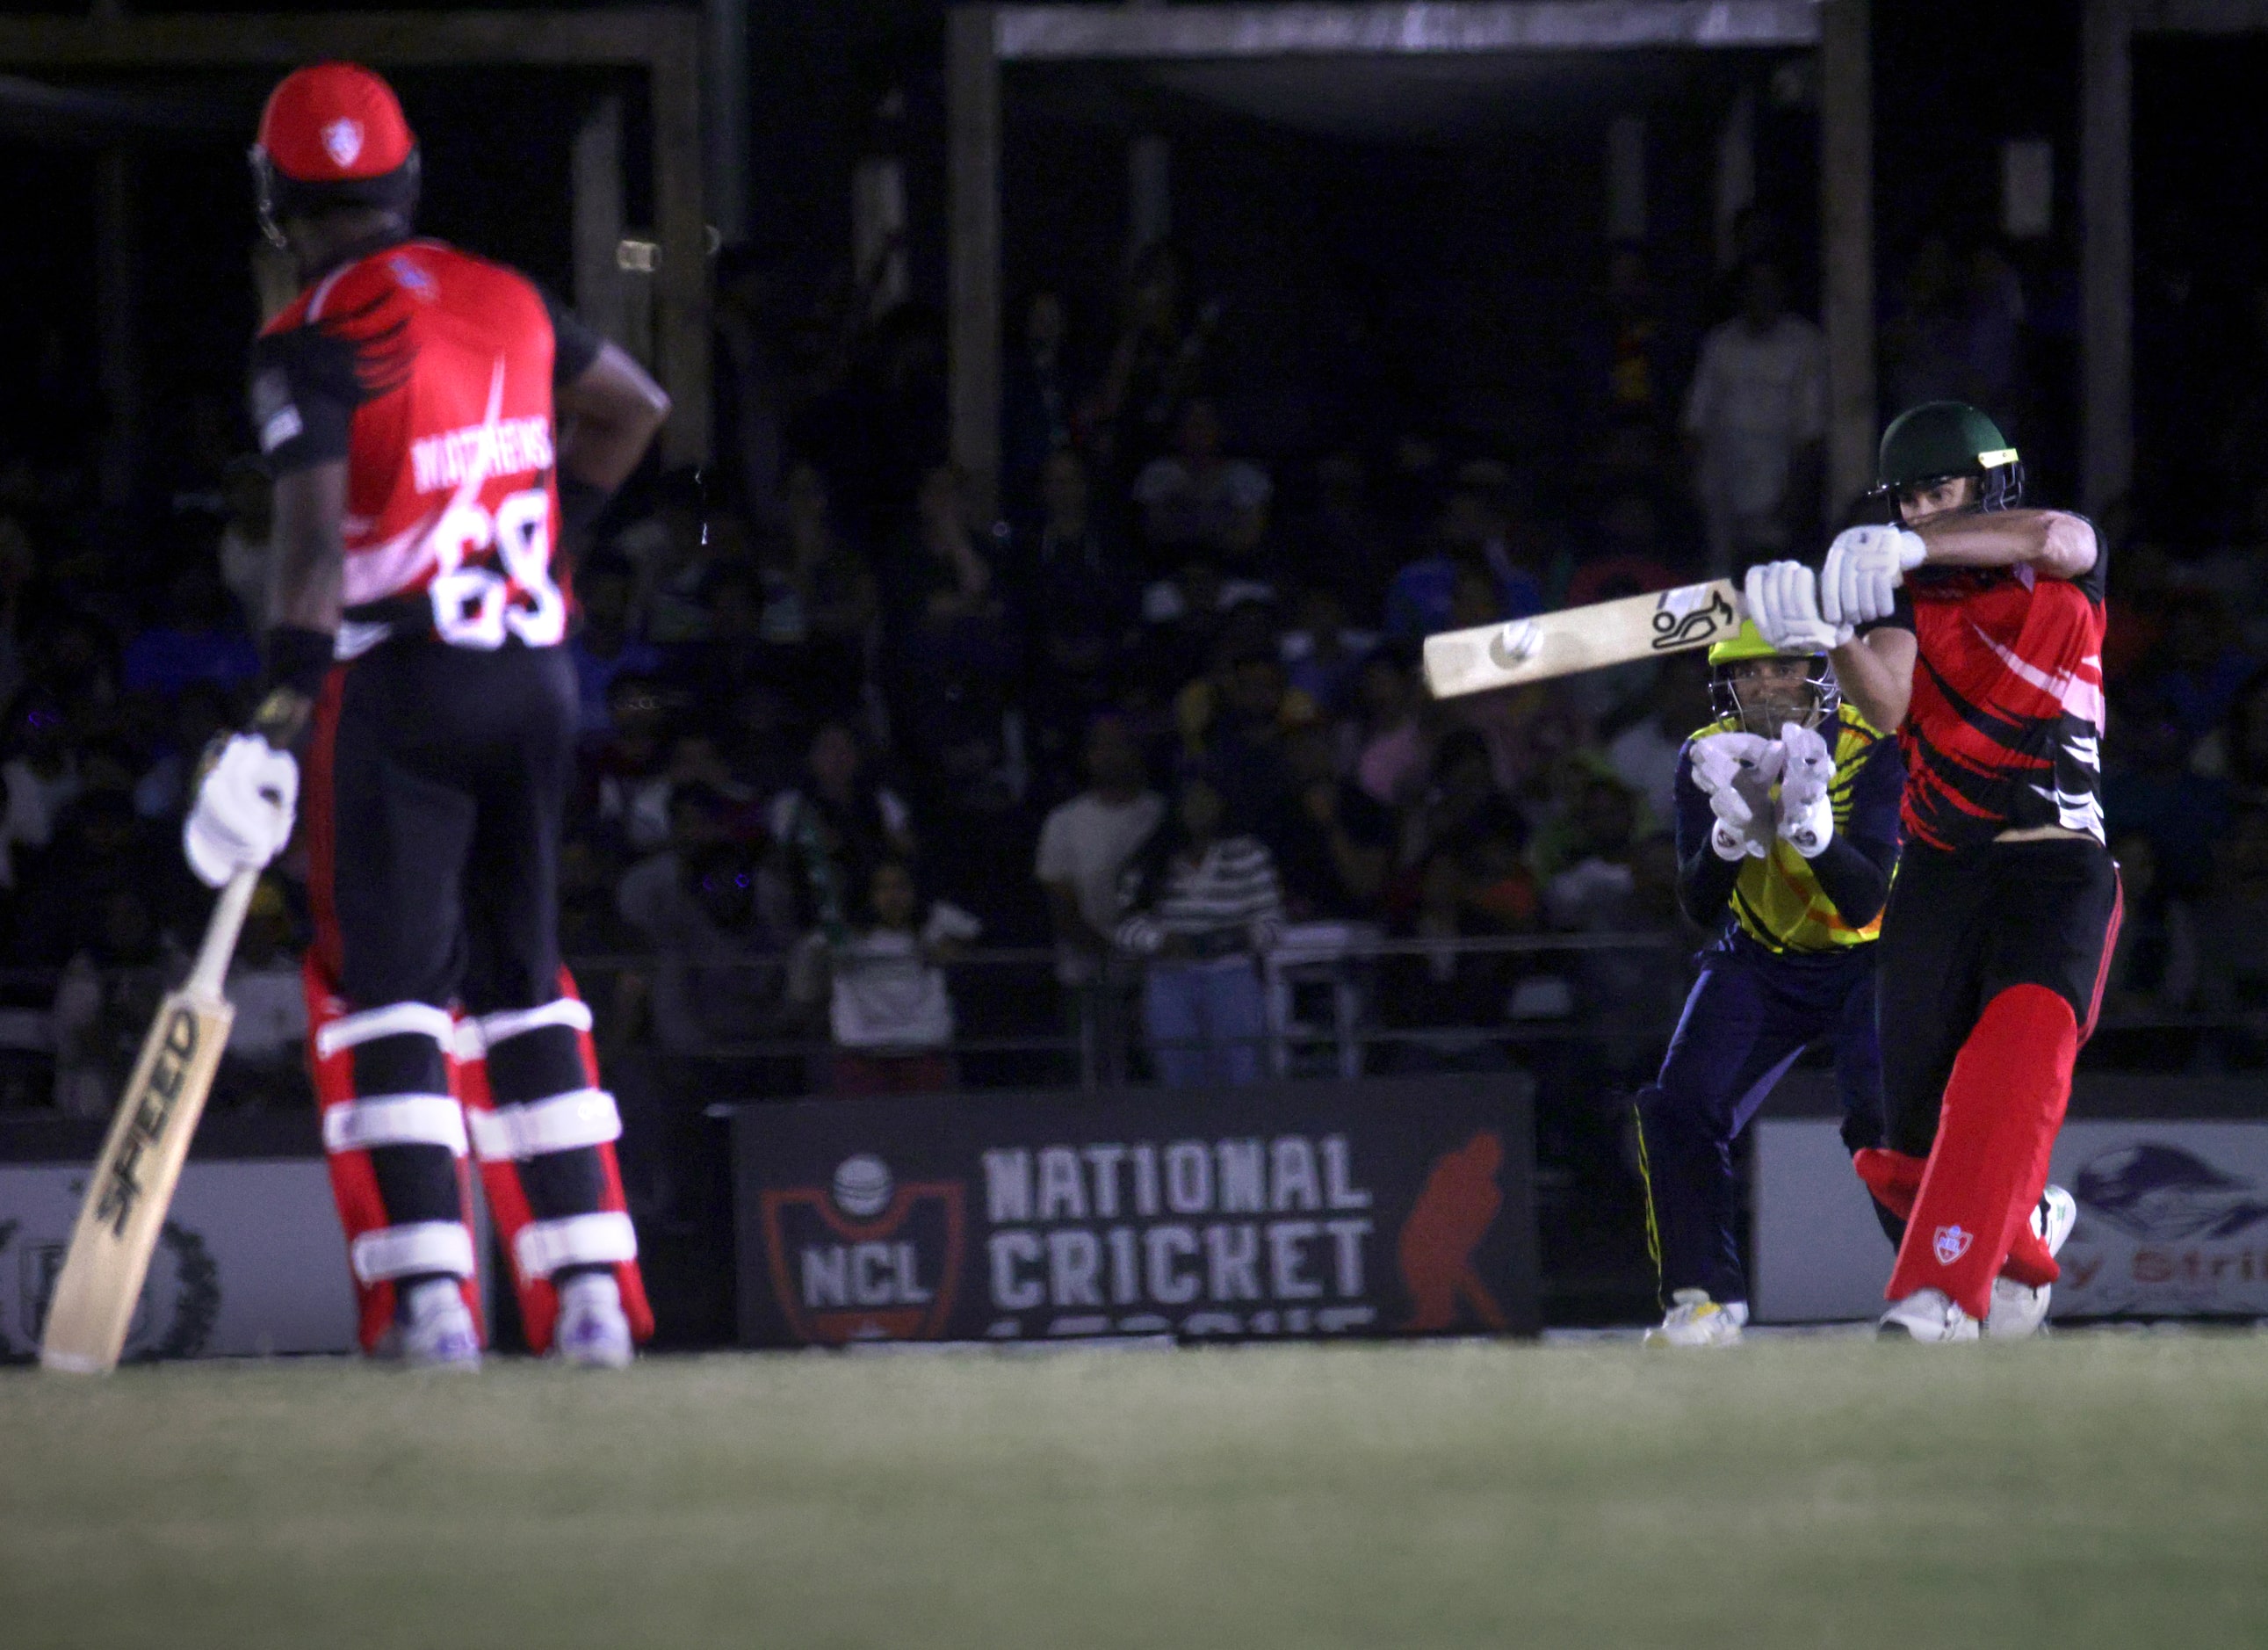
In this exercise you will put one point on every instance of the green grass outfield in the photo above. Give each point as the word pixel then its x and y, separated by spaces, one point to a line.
pixel 2092 1490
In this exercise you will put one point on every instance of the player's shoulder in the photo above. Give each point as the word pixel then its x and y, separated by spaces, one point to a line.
pixel 1855 737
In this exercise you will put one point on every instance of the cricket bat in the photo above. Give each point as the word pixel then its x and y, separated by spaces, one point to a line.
pixel 141 1163
pixel 1581 638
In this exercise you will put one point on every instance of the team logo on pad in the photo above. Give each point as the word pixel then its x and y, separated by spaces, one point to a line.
pixel 1952 1243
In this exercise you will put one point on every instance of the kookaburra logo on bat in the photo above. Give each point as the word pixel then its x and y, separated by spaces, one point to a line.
pixel 1677 626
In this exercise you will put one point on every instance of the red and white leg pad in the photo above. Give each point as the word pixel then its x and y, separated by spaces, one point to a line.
pixel 395 1139
pixel 551 1107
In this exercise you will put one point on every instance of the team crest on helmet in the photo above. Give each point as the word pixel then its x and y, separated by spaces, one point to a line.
pixel 343 140
pixel 1952 1243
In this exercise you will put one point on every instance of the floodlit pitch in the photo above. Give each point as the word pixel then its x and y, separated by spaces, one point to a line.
pixel 2096 1489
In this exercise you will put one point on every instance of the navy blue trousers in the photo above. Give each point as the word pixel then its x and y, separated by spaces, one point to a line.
pixel 1751 1014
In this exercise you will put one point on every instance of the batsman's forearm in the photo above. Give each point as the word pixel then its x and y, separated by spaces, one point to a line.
pixel 1875 673
pixel 2059 545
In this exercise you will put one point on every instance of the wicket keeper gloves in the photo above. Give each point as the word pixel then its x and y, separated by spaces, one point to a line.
pixel 242 816
pixel 1864 567
pixel 1807 817
pixel 1783 599
pixel 1735 772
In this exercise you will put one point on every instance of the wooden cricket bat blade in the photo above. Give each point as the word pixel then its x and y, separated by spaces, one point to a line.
pixel 133 1181
pixel 1520 650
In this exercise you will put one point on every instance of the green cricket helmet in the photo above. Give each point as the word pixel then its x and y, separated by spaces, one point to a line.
pixel 1940 439
pixel 1747 642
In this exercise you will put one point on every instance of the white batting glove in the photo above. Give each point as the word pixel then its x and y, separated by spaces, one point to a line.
pixel 1806 816
pixel 1783 599
pixel 242 815
pixel 1735 772
pixel 1864 567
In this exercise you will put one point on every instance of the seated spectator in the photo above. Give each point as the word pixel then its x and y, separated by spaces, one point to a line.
pixel 1233 723
pixel 1755 425
pixel 836 826
pixel 101 844
pixel 1085 845
pixel 1592 876
pixel 1040 399
pixel 1333 841
pixel 603 646
pixel 1471 884
pixel 200 714
pixel 675 552
pixel 1321 653
pixel 626 778
pixel 41 775
pixel 1085 610
pixel 264 1064
pixel 2150 788
pixel 1644 756
pixel 198 638
pixel 1348 548
pixel 889 1010
pixel 1197 500
pixel 1473 545
pixel 2233 937
pixel 2201 663
pixel 2154 967
pixel 835 595
pixel 108 994
pixel 1203 905
pixel 712 917
pixel 1389 745
pixel 956 653
pixel 1183 617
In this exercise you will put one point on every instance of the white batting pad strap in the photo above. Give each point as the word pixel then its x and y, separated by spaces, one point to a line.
pixel 395 1020
pixel 582 1239
pixel 401 1251
pixel 468 1043
pixel 357 1125
pixel 513 1022
pixel 583 1117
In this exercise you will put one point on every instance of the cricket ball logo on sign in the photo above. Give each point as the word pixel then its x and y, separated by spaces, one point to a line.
pixel 865 1259
pixel 1952 1242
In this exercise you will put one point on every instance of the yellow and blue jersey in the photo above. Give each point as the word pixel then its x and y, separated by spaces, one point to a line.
pixel 1782 902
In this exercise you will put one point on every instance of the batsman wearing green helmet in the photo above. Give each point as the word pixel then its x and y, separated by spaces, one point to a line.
pixel 1972 625
pixel 1787 834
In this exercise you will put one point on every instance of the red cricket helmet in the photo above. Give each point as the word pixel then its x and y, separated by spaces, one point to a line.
pixel 332 135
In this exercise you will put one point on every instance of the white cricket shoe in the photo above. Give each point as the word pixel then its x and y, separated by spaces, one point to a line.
pixel 592 1331
pixel 1695 1320
pixel 436 1331
pixel 1926 1315
pixel 2018 1311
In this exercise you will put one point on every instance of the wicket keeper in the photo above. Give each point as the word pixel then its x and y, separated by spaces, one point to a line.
pixel 1787 835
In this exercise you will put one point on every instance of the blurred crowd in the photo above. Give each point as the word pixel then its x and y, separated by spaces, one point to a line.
pixel 1151 720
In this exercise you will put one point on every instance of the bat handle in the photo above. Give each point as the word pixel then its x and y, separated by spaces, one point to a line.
pixel 208 978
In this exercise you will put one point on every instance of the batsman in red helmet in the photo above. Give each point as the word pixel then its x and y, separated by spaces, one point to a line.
pixel 410 404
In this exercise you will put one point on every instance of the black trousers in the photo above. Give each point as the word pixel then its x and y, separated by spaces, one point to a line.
pixel 436 782
pixel 1960 929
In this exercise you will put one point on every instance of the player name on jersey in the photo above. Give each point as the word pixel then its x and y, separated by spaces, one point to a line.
pixel 511 446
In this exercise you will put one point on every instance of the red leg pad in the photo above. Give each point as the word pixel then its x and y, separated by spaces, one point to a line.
pixel 2002 1108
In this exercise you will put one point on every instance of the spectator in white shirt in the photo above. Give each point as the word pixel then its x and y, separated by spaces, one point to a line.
pixel 1205 905
pixel 1086 842
pixel 889 1010
pixel 1197 497
pixel 1755 422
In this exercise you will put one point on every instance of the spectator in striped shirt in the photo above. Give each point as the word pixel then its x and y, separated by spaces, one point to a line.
pixel 1204 904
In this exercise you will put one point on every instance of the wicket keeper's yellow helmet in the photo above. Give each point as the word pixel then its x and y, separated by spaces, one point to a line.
pixel 1748 642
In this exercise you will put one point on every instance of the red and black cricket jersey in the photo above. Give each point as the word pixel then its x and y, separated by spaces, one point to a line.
pixel 2004 729
pixel 431 372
